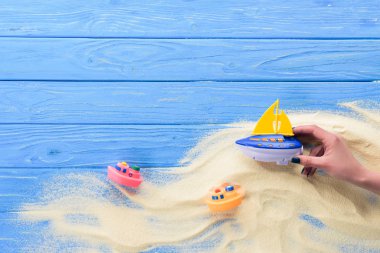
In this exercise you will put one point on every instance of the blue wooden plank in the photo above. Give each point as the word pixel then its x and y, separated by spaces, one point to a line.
pixel 19 185
pixel 36 146
pixel 163 59
pixel 10 232
pixel 24 186
pixel 201 18
pixel 17 235
pixel 166 102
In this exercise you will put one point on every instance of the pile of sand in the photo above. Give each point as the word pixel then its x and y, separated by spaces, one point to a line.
pixel 282 211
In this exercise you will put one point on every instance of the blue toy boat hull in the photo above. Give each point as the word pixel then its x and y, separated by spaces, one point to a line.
pixel 270 148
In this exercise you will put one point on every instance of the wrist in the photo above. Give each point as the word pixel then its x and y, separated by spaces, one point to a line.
pixel 369 180
pixel 362 176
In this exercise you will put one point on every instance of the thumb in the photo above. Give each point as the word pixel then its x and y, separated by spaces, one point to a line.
pixel 309 161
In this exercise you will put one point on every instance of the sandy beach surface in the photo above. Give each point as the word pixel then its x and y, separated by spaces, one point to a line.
pixel 281 212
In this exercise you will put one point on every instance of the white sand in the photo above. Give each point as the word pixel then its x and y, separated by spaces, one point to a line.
pixel 282 211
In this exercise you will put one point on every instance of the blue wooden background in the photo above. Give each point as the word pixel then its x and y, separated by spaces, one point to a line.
pixel 87 83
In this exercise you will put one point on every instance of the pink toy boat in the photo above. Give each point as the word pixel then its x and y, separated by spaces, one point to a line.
pixel 125 175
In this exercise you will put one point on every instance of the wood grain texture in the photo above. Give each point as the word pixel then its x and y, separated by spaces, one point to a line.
pixel 18 187
pixel 95 146
pixel 122 80
pixel 186 19
pixel 11 233
pixel 27 186
pixel 184 60
pixel 167 102
pixel 21 186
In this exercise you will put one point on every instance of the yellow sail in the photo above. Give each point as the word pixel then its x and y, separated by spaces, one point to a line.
pixel 284 126
pixel 265 123
pixel 271 122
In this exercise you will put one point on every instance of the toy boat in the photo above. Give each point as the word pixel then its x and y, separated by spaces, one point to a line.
pixel 272 139
pixel 125 175
pixel 225 197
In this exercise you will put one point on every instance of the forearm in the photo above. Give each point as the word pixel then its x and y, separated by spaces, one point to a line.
pixel 367 179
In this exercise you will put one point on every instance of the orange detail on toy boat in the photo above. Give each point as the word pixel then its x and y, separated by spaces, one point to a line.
pixel 225 197
pixel 125 175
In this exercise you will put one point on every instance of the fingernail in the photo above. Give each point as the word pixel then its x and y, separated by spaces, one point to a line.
pixel 296 160
pixel 302 170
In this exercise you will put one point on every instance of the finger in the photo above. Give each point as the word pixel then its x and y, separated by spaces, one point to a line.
pixel 316 151
pixel 319 151
pixel 309 161
pixel 306 170
pixel 312 172
pixel 312 130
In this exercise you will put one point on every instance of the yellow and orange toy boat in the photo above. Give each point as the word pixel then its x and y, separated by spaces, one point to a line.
pixel 225 197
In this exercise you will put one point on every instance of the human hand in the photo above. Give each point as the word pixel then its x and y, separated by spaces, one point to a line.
pixel 331 154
